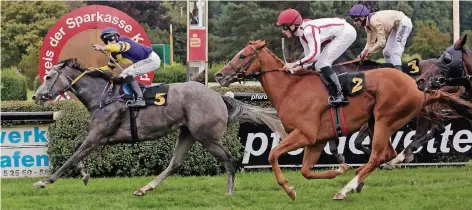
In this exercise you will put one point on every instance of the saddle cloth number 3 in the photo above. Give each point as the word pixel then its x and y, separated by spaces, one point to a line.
pixel 414 67
pixel 358 81
pixel 160 100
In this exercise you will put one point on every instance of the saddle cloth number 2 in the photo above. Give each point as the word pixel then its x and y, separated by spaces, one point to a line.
pixel 358 81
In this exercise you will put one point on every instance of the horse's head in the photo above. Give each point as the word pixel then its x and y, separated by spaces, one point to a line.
pixel 243 65
pixel 450 64
pixel 58 80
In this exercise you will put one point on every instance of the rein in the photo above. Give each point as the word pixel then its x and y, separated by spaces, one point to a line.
pixel 108 88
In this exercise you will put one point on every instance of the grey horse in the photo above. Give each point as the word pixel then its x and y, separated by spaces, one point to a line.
pixel 199 113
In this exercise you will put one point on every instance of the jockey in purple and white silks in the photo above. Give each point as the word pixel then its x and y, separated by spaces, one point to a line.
pixel 388 29
pixel 336 33
pixel 125 50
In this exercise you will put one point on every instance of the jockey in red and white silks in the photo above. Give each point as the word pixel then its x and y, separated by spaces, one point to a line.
pixel 336 33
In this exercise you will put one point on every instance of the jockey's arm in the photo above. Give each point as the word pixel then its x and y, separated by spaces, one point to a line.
pixel 118 47
pixel 306 49
pixel 379 31
pixel 109 67
pixel 370 39
pixel 314 44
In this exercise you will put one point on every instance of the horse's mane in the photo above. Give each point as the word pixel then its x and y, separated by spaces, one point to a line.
pixel 275 56
pixel 75 64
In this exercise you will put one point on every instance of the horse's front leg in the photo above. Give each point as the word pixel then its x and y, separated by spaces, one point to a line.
pixel 296 139
pixel 81 165
pixel 93 140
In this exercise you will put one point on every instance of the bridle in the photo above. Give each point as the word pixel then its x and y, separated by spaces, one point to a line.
pixel 53 95
pixel 241 71
pixel 455 65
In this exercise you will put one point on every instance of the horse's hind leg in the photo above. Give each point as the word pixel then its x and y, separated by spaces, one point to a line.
pixel 183 145
pixel 223 155
pixel 311 155
pixel 363 133
pixel 381 151
pixel 333 147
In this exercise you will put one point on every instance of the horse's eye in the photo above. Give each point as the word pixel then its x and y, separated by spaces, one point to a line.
pixel 242 56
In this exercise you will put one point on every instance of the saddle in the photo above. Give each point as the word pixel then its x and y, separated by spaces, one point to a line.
pixel 153 94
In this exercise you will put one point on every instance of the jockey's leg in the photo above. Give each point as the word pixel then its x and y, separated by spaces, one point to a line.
pixel 332 52
pixel 139 68
pixel 333 82
pixel 396 43
pixel 139 102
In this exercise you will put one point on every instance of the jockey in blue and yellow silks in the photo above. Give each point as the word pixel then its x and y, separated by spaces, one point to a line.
pixel 126 51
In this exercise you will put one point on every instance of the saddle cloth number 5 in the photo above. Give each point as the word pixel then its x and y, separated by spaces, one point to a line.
pixel 160 100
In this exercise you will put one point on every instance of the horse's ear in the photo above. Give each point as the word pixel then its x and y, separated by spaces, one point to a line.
pixel 265 43
pixel 461 42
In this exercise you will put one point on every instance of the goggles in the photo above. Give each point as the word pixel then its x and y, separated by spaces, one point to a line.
pixel 108 38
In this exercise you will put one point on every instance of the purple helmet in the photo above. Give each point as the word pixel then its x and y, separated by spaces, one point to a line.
pixel 359 10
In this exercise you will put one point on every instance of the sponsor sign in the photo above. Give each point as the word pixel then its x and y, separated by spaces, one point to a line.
pixel 452 145
pixel 197 44
pixel 82 28
pixel 24 151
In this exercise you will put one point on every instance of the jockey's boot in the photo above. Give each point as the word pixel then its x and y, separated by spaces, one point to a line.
pixel 338 99
pixel 139 102
pixel 398 67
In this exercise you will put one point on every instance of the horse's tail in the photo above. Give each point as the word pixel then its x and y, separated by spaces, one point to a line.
pixel 242 112
pixel 459 105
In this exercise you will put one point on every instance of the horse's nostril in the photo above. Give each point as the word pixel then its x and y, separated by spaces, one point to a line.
pixel 34 98
pixel 420 82
pixel 218 75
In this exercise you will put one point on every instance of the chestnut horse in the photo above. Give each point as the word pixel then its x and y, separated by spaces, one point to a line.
pixel 301 102
pixel 415 69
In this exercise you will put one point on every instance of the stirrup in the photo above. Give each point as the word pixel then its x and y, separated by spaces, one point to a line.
pixel 141 102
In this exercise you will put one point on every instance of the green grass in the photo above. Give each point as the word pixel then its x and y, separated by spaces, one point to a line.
pixel 422 188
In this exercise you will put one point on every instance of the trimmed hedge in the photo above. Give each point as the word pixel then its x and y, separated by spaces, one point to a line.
pixel 13 85
pixel 144 159
pixel 177 73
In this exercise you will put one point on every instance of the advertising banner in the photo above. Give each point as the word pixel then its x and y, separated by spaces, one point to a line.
pixel 454 145
pixel 24 151
pixel 74 33
pixel 197 44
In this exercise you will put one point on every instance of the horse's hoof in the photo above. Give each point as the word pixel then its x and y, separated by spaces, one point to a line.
pixel 86 179
pixel 345 167
pixel 39 184
pixel 339 196
pixel 138 193
pixel 359 187
pixel 409 158
pixel 292 193
pixel 387 166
